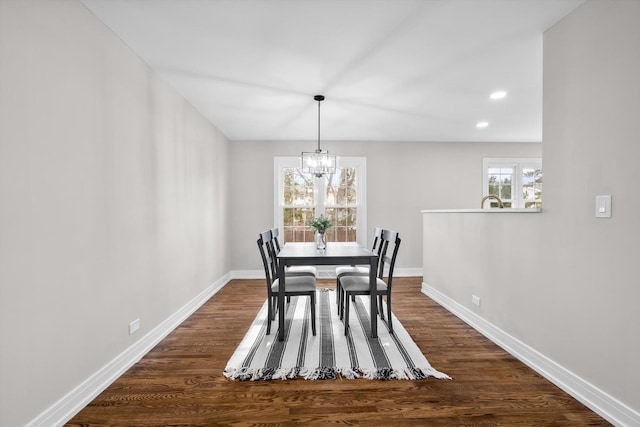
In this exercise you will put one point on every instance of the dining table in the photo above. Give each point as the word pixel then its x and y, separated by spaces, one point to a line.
pixel 335 253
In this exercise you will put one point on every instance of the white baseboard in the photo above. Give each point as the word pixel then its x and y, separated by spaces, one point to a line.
pixel 247 274
pixel 69 405
pixel 408 272
pixel 591 396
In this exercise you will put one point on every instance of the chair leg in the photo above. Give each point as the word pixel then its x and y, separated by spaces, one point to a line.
pixel 313 313
pixel 389 312
pixel 346 313
pixel 380 307
pixel 269 315
pixel 340 298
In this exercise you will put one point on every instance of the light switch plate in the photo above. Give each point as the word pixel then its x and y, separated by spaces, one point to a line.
pixel 603 206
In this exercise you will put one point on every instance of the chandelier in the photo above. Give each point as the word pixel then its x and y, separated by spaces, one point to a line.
pixel 318 162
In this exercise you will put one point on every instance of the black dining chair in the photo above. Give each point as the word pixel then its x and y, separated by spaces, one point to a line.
pixel 304 285
pixel 293 270
pixel 359 285
pixel 355 270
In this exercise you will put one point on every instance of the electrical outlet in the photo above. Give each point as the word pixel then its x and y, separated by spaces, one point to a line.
pixel 134 326
pixel 475 300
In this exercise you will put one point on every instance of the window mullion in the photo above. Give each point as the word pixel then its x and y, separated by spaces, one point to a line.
pixel 516 189
pixel 320 191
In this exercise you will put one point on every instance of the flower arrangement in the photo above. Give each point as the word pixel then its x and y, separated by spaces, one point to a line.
pixel 321 224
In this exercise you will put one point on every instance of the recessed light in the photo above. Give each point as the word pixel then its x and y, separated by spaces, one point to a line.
pixel 482 124
pixel 498 94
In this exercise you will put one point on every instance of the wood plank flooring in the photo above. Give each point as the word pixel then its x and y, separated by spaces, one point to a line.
pixel 180 381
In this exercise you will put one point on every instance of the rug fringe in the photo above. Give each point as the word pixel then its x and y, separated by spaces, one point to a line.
pixel 349 373
pixel 322 373
pixel 331 373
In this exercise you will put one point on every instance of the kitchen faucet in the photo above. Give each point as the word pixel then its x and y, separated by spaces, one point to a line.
pixel 491 196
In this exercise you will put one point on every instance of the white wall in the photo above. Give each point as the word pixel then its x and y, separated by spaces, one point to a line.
pixel 564 282
pixel 402 179
pixel 591 146
pixel 113 201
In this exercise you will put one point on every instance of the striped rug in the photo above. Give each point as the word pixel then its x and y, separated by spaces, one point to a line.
pixel 330 353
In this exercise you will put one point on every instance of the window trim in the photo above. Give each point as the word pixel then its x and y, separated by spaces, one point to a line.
pixel 360 163
pixel 517 163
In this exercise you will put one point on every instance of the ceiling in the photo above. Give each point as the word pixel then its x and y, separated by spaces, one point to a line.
pixel 391 70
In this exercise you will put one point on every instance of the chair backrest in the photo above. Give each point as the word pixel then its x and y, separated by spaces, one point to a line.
pixel 274 237
pixel 389 239
pixel 268 257
pixel 377 234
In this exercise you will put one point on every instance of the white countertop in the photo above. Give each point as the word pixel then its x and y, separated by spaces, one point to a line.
pixel 487 210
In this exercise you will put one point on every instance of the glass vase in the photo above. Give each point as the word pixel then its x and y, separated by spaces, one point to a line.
pixel 321 242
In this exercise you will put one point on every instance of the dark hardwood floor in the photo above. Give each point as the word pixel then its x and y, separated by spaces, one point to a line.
pixel 180 381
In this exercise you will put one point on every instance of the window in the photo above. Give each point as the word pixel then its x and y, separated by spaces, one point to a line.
pixel 301 197
pixel 517 181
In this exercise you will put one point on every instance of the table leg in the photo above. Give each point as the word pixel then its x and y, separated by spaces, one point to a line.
pixel 281 287
pixel 374 297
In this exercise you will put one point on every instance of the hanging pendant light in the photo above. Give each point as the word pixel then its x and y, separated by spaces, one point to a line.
pixel 319 162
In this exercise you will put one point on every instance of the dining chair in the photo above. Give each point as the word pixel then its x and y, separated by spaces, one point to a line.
pixel 295 285
pixel 359 285
pixel 293 270
pixel 355 270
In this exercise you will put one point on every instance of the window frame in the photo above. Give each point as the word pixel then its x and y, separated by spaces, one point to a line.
pixel 517 185
pixel 359 163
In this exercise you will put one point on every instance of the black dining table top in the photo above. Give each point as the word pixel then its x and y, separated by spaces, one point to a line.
pixel 306 252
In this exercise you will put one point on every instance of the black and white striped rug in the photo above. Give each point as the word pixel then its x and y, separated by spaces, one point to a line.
pixel 330 353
